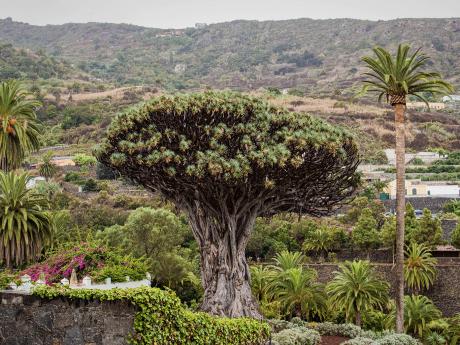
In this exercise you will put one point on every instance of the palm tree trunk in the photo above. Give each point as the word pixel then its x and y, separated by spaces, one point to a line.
pixel 358 319
pixel 400 209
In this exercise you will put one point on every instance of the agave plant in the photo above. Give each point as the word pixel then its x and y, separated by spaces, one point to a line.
pixel 419 311
pixel 356 289
pixel 419 267
pixel 19 127
pixel 25 225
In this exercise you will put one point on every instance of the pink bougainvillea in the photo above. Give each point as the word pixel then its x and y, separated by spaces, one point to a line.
pixel 84 258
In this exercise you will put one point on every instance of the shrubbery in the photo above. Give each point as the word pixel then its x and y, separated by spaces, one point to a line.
pixel 161 319
pixel 88 259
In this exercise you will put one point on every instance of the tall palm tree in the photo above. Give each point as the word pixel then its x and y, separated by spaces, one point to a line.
pixel 395 78
pixel 25 226
pixel 357 289
pixel 19 127
pixel 299 293
pixel 419 267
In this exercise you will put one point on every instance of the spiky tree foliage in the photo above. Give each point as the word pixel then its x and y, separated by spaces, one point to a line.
pixel 300 294
pixel 394 78
pixel 356 289
pixel 19 127
pixel 224 159
pixel 419 311
pixel 47 168
pixel 25 225
pixel 419 267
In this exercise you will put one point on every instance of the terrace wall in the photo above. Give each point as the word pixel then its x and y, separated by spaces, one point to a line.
pixel 30 320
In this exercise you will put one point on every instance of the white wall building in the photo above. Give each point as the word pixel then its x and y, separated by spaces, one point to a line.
pixel 426 157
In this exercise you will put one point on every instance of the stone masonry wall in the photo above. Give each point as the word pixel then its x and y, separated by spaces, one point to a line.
pixel 445 292
pixel 29 320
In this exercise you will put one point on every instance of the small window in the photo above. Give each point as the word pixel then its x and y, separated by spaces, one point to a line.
pixel 429 192
pixel 414 191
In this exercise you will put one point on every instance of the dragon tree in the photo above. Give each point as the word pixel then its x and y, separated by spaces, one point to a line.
pixel 224 159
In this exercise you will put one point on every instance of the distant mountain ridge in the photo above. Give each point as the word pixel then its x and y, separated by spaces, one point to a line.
pixel 318 56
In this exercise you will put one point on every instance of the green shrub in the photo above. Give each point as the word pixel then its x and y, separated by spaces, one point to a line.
pixel 297 336
pixel 347 330
pixel 396 339
pixel 84 160
pixel 161 319
pixel 74 177
pixel 359 341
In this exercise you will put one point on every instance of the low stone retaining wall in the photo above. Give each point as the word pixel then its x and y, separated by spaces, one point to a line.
pixel 445 292
pixel 27 319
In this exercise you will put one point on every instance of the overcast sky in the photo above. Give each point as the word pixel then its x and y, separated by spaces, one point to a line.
pixel 184 13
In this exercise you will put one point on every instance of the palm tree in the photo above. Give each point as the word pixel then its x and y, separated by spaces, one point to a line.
pixel 320 241
pixel 395 78
pixel 19 127
pixel 419 311
pixel 356 289
pixel 286 260
pixel 261 279
pixel 47 168
pixel 419 267
pixel 25 225
pixel 299 293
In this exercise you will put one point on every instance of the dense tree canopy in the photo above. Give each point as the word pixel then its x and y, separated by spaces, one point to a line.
pixel 225 158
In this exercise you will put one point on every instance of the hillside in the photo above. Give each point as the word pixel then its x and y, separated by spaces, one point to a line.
pixel 318 56
pixel 26 64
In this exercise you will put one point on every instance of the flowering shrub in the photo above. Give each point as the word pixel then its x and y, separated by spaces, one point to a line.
pixel 87 259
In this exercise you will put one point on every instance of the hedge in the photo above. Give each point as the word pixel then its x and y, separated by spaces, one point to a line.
pixel 161 319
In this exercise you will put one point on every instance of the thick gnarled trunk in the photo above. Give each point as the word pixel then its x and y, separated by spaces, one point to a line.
pixel 224 270
pixel 226 282
pixel 400 210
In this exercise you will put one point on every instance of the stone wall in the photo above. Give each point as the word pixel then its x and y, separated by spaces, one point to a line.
pixel 29 320
pixel 444 292
pixel 434 204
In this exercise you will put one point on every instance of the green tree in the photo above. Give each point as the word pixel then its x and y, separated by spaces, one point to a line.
pixel 299 293
pixel 48 168
pixel 429 231
pixel 410 222
pixel 419 267
pixel 419 311
pixel 365 235
pixel 19 127
pixel 394 79
pixel 26 227
pixel 356 289
pixel 224 159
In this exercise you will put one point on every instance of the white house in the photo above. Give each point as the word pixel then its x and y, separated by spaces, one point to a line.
pixel 426 157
